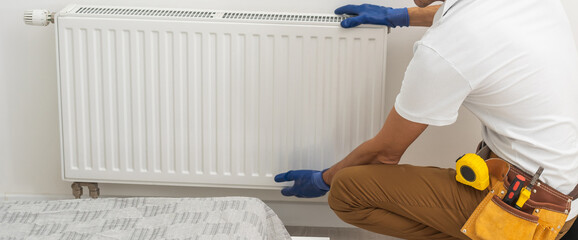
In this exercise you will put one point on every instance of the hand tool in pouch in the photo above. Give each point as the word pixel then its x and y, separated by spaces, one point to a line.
pixel 514 190
pixel 472 170
pixel 527 191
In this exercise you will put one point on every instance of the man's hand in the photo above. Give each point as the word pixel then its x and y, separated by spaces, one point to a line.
pixel 308 183
pixel 373 14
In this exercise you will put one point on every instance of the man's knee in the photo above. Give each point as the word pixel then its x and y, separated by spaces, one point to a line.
pixel 355 193
pixel 342 195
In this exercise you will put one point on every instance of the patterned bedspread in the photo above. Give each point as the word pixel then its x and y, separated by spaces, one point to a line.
pixel 237 218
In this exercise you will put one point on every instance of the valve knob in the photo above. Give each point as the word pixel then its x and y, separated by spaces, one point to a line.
pixel 38 17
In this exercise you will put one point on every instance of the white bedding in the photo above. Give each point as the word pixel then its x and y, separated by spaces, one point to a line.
pixel 237 218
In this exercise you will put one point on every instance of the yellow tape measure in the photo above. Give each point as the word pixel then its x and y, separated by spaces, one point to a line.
pixel 472 170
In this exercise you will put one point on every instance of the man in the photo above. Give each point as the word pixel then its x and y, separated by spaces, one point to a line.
pixel 513 64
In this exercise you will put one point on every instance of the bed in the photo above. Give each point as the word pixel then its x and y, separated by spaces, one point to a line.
pixel 238 218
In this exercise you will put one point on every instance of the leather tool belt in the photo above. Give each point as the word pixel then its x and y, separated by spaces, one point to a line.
pixel 541 217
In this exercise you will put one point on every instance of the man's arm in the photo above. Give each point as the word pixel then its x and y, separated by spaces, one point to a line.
pixel 386 147
pixel 422 17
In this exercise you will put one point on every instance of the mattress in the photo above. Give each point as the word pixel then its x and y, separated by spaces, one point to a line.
pixel 236 218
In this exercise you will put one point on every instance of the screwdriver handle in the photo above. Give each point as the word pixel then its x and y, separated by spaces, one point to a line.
pixel 524 196
pixel 514 190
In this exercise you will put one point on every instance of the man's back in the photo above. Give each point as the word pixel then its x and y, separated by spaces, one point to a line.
pixel 519 63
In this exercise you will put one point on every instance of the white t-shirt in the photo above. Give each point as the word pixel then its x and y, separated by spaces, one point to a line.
pixel 514 65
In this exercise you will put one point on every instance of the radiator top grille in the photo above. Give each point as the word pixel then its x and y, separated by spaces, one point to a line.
pixel 214 15
pixel 283 17
pixel 144 12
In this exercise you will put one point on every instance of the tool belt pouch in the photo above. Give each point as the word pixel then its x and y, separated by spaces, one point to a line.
pixel 542 217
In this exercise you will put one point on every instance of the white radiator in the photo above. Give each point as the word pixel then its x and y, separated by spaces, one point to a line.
pixel 212 98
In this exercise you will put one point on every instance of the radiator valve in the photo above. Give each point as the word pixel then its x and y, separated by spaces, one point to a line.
pixel 38 17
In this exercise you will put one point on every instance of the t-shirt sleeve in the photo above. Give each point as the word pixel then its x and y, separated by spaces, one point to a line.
pixel 432 90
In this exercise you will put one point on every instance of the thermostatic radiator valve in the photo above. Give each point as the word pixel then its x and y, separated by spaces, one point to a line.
pixel 38 17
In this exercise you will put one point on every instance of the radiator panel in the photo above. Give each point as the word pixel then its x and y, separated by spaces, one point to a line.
pixel 213 103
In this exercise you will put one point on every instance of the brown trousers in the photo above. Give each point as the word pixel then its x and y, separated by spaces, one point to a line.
pixel 405 201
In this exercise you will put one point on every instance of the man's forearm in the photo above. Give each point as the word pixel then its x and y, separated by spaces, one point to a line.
pixel 422 17
pixel 386 147
pixel 366 153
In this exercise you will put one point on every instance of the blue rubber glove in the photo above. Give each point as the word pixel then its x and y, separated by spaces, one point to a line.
pixel 373 14
pixel 308 183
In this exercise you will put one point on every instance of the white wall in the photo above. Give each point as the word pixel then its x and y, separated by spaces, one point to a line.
pixel 29 137
pixel 4 138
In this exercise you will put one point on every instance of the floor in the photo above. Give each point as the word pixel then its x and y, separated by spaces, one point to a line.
pixel 336 233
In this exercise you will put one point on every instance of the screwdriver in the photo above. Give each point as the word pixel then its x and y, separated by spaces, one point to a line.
pixel 527 191
pixel 514 189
